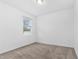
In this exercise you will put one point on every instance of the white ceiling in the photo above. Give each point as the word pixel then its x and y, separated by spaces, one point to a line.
pixel 34 9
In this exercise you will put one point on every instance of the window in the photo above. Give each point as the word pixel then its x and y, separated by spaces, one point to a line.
pixel 27 24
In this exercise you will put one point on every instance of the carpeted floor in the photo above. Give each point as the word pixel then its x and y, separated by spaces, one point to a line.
pixel 40 51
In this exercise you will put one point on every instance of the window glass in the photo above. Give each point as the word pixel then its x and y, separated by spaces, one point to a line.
pixel 27 24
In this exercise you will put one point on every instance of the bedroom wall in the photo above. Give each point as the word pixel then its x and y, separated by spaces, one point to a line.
pixel 56 28
pixel 76 26
pixel 11 28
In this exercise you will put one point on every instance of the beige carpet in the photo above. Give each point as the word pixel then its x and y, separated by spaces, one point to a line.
pixel 40 51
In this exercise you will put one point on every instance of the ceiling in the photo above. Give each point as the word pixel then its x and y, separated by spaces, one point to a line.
pixel 36 10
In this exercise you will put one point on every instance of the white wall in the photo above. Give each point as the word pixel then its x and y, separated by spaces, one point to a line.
pixel 11 29
pixel 76 26
pixel 56 28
